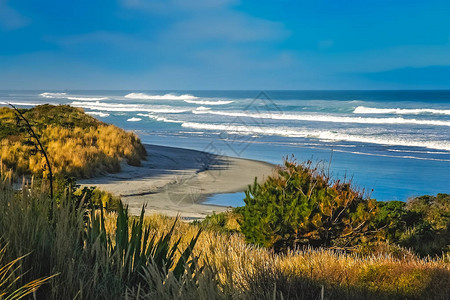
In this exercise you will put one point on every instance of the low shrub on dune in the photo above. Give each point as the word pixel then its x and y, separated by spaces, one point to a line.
pixel 300 205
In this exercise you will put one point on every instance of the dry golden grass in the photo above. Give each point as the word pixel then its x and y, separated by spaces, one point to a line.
pixel 239 264
pixel 79 146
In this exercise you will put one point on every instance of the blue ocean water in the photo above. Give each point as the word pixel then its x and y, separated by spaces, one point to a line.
pixel 393 144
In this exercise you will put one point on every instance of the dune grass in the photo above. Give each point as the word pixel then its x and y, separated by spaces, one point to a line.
pixel 8 278
pixel 72 243
pixel 77 144
pixel 251 272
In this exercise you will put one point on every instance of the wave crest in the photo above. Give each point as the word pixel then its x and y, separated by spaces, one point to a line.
pixel 127 107
pixel 143 96
pixel 53 95
pixel 326 118
pixel 204 102
pixel 400 111
pixel 98 113
pixel 69 97
pixel 319 134
pixel 134 119
pixel 159 118
pixel 20 103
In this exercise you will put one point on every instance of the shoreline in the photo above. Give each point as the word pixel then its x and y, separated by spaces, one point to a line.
pixel 176 181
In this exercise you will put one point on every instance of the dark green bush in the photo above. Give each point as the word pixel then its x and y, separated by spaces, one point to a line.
pixel 300 205
pixel 434 209
pixel 393 219
pixel 422 224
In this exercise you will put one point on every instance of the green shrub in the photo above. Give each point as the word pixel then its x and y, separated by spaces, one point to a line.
pixel 226 222
pixel 394 219
pixel 98 197
pixel 421 224
pixel 434 209
pixel 300 205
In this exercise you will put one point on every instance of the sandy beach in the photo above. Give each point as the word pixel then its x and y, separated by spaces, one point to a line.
pixel 175 181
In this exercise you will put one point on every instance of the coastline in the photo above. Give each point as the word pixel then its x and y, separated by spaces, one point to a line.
pixel 176 181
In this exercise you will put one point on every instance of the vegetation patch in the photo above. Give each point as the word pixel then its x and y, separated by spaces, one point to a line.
pixel 110 255
pixel 300 206
pixel 77 144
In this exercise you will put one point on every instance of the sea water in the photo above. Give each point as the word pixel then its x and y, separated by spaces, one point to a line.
pixel 392 144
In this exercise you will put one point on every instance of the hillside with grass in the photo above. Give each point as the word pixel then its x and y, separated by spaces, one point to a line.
pixel 77 144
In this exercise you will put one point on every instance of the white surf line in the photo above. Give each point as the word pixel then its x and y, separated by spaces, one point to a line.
pixel 327 118
pixel 400 111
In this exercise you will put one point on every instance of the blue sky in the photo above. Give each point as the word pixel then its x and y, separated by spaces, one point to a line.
pixel 224 44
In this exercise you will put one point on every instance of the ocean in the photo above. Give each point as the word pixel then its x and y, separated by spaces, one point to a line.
pixel 392 144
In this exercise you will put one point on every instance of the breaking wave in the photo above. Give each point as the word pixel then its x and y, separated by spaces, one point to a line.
pixel 69 97
pixel 86 98
pixel 400 111
pixel 319 134
pixel 127 107
pixel 98 113
pixel 143 96
pixel 159 118
pixel 325 118
pixel 20 103
pixel 134 119
pixel 53 95
pixel 204 102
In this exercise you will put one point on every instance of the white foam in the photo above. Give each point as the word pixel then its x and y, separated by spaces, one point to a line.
pixel 53 95
pixel 134 119
pixel 143 96
pixel 20 103
pixel 69 97
pixel 320 134
pixel 204 102
pixel 400 111
pixel 413 151
pixel 393 156
pixel 127 107
pixel 201 108
pixel 87 98
pixel 163 119
pixel 98 113
pixel 325 118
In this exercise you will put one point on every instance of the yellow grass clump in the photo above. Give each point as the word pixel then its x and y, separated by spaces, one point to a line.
pixel 77 144
pixel 245 267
